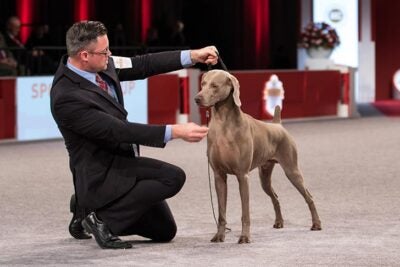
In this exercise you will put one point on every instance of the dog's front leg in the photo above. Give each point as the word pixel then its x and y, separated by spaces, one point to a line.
pixel 244 196
pixel 221 188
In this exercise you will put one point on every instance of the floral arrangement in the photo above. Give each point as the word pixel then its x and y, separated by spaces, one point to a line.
pixel 319 34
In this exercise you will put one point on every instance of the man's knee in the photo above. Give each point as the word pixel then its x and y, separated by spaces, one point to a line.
pixel 168 233
pixel 174 180
pixel 180 178
pixel 175 177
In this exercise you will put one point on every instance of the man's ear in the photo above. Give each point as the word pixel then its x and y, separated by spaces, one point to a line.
pixel 236 92
pixel 83 56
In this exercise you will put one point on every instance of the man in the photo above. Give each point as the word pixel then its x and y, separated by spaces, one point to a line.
pixel 126 192
pixel 13 27
pixel 8 65
pixel 11 36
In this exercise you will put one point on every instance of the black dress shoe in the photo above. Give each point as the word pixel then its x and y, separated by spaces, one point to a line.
pixel 103 236
pixel 75 226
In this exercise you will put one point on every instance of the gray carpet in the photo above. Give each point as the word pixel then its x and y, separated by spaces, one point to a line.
pixel 351 167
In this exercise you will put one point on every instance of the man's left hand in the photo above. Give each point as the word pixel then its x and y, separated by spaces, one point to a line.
pixel 207 55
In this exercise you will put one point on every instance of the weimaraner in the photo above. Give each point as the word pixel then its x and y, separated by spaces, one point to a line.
pixel 238 143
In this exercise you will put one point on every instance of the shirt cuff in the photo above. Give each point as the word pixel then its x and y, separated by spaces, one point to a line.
pixel 186 61
pixel 168 133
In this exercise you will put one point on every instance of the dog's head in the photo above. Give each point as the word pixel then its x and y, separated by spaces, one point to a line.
pixel 217 85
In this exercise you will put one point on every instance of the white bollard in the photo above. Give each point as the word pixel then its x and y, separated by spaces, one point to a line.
pixel 182 118
pixel 342 110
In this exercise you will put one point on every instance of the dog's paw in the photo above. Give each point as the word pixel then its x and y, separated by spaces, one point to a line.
pixel 316 227
pixel 218 238
pixel 278 225
pixel 244 239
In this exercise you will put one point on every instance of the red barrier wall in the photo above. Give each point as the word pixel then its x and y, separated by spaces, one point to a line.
pixel 307 93
pixel 163 99
pixel 7 108
pixel 387 53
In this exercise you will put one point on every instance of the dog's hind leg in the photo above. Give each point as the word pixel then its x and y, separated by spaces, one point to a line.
pixel 222 191
pixel 265 172
pixel 293 173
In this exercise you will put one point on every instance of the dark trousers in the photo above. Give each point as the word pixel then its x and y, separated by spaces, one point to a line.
pixel 143 210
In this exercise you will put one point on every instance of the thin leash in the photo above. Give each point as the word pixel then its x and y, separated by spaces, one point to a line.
pixel 221 62
pixel 209 175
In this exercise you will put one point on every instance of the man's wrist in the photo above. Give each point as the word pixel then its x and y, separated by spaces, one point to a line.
pixel 186 58
pixel 168 133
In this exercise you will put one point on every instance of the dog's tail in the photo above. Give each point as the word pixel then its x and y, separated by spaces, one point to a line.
pixel 277 114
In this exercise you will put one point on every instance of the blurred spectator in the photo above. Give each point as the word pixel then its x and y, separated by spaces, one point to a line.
pixel 8 65
pixel 13 28
pixel 152 38
pixel 40 60
pixel 177 37
pixel 119 37
pixel 13 42
pixel 38 37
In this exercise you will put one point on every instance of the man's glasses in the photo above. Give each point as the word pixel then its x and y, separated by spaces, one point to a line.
pixel 105 52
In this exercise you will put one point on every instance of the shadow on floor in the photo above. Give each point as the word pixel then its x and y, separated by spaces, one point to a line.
pixel 368 110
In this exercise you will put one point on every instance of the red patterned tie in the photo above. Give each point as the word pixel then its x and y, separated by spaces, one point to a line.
pixel 101 83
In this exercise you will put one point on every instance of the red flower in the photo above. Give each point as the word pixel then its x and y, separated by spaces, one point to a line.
pixel 319 34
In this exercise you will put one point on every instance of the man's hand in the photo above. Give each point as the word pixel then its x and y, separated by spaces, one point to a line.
pixel 207 55
pixel 9 62
pixel 189 132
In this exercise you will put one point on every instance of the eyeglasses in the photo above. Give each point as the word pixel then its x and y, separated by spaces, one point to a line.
pixel 105 52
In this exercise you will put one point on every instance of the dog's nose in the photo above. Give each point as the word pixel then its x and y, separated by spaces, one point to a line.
pixel 197 100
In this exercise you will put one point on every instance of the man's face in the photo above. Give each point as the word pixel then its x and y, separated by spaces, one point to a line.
pixel 98 54
pixel 14 26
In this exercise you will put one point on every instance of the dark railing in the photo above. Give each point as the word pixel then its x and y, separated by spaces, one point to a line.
pixel 43 60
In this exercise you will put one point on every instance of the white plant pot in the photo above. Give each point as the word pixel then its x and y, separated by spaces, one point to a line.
pixel 319 52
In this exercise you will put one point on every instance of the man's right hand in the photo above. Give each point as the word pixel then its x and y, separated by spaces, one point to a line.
pixel 189 132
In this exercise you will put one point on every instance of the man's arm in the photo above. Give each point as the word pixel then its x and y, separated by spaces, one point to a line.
pixel 147 65
pixel 151 64
pixel 83 118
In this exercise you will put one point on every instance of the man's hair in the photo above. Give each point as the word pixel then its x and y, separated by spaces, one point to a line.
pixel 83 33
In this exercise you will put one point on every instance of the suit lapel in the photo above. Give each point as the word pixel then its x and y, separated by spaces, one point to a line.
pixel 112 74
pixel 87 85
pixel 117 85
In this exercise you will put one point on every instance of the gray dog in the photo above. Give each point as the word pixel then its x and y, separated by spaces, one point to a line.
pixel 238 143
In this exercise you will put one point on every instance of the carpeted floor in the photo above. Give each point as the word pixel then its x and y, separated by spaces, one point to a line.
pixel 350 166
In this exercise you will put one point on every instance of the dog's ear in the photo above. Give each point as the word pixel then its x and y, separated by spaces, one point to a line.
pixel 236 92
